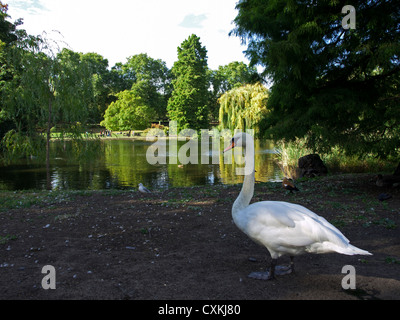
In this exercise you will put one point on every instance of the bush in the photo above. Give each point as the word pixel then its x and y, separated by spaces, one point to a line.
pixel 337 160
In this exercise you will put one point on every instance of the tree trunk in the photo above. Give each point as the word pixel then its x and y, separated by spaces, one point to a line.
pixel 48 175
pixel 397 172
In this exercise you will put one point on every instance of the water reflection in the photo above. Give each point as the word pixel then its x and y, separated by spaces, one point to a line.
pixel 122 164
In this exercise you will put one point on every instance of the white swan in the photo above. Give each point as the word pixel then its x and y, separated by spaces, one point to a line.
pixel 283 228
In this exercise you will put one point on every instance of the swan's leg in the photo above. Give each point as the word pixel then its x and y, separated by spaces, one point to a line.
pixel 274 270
pixel 267 275
pixel 284 270
pixel 292 264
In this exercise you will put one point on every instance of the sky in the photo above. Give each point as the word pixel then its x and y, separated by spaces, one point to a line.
pixel 119 29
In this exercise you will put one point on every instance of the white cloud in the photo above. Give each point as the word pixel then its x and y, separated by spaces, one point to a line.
pixel 193 21
pixel 121 28
pixel 29 6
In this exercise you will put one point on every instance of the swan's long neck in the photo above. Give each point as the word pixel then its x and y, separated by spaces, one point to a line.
pixel 246 194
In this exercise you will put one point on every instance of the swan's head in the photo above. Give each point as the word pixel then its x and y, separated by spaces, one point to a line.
pixel 239 140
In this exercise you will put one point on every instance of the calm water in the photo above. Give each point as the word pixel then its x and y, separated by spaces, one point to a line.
pixel 122 164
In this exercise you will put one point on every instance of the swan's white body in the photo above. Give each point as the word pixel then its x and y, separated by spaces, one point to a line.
pixel 284 228
pixel 290 229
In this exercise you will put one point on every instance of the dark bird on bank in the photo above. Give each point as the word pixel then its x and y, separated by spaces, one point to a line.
pixel 384 196
pixel 387 181
pixel 288 184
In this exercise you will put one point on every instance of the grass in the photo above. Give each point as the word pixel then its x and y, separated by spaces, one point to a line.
pixel 386 223
pixel 7 238
pixel 28 198
pixel 391 260
pixel 336 160
pixel 334 194
pixel 20 199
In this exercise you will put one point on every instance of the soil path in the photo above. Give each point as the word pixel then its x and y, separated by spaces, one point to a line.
pixel 182 244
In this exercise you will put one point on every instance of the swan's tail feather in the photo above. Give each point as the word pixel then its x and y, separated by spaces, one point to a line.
pixel 347 249
pixel 359 251
pixel 352 250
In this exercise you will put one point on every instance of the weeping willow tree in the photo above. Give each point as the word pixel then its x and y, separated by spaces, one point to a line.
pixel 244 107
pixel 49 88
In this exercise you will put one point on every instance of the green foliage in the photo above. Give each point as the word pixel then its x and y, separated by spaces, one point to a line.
pixel 227 77
pixel 336 159
pixel 244 107
pixel 73 87
pixel 7 29
pixel 43 87
pixel 48 89
pixel 150 79
pixel 102 82
pixel 232 75
pixel 16 144
pixel 334 86
pixel 188 104
pixel 7 37
pixel 127 113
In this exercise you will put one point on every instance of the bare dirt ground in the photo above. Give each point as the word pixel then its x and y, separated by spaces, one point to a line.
pixel 182 244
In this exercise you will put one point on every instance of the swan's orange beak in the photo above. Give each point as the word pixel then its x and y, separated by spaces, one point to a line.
pixel 231 146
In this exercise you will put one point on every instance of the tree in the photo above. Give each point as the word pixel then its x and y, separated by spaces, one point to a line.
pixel 188 104
pixel 7 29
pixel 234 74
pixel 119 79
pixel 102 85
pixel 7 37
pixel 49 88
pixel 127 113
pixel 334 86
pixel 244 107
pixel 227 77
pixel 148 78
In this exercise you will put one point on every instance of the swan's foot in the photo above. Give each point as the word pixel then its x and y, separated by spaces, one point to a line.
pixel 284 270
pixel 270 275
pixel 260 275
pixel 273 271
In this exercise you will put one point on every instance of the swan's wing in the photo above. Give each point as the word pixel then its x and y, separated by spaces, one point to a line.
pixel 287 228
pixel 314 216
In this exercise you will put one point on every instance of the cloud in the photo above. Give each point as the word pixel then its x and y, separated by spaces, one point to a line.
pixel 193 21
pixel 29 6
pixel 124 28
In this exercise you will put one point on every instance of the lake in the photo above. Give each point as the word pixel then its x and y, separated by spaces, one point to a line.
pixel 122 164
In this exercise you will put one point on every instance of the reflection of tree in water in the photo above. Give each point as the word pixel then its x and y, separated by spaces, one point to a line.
pixel 126 161
pixel 77 164
pixel 127 164
pixel 266 168
pixel 109 164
